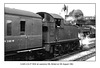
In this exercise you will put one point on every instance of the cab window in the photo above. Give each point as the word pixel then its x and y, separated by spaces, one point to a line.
pixel 58 22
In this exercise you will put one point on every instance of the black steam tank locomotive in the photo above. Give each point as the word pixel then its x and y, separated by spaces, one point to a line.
pixel 29 36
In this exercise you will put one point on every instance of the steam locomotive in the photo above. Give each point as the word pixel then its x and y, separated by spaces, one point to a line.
pixel 31 35
pixel 87 26
pixel 85 23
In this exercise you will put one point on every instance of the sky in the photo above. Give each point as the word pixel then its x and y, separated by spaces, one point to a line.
pixel 87 9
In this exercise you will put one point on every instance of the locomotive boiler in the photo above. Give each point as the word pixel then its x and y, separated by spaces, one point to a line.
pixel 30 35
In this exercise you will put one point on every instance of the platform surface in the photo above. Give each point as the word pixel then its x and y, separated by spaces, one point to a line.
pixel 79 55
pixel 92 59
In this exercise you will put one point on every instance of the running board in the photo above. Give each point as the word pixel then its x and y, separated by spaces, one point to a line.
pixel 29 50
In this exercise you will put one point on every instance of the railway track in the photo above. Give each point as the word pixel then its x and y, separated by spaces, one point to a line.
pixel 84 58
pixel 68 55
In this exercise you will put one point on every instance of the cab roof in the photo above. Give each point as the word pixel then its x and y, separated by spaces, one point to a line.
pixel 56 16
pixel 52 15
pixel 13 11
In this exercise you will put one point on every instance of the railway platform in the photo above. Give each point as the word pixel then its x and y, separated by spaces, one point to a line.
pixel 83 56
pixel 91 59
pixel 86 55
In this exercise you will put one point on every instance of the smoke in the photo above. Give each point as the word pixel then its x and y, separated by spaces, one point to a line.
pixel 86 42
